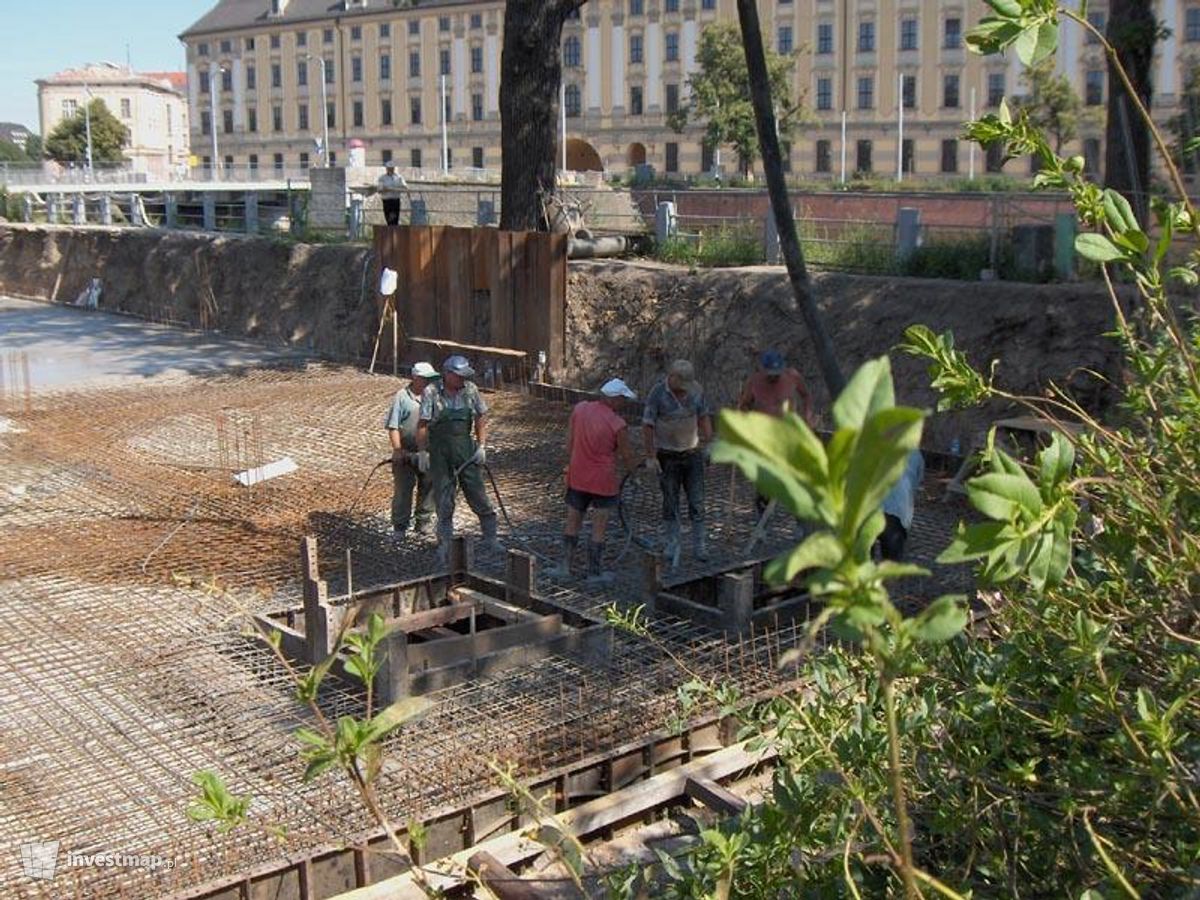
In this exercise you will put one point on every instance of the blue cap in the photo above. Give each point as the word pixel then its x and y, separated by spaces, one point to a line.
pixel 772 361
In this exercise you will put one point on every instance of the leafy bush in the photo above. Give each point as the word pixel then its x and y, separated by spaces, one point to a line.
pixel 724 246
pixel 962 259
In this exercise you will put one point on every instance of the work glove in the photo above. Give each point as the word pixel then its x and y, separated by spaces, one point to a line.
pixel 421 460
pixel 653 467
pixel 480 457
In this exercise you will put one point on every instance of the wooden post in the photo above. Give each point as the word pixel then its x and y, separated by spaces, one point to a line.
pixel 735 596
pixel 391 684
pixel 460 560
pixel 520 578
pixel 500 880
pixel 320 619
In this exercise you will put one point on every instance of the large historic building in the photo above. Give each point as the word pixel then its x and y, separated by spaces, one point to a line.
pixel 256 73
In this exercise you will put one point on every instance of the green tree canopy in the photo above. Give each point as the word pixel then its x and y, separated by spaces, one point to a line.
pixel 1052 104
pixel 33 147
pixel 719 94
pixel 68 141
pixel 10 152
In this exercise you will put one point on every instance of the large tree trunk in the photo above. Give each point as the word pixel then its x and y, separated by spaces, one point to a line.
pixel 789 243
pixel 530 75
pixel 1132 30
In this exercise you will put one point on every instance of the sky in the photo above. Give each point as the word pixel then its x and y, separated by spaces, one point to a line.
pixel 46 37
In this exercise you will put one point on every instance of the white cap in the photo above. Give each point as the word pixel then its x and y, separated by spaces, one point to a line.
pixel 424 370
pixel 617 388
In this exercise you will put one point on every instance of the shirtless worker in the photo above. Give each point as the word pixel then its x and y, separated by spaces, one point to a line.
pixel 772 389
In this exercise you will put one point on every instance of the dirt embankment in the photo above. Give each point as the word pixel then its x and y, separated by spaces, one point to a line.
pixel 631 319
pixel 623 318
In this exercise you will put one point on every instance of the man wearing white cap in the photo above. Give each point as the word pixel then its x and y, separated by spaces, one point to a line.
pixel 595 435
pixel 401 424
pixel 676 429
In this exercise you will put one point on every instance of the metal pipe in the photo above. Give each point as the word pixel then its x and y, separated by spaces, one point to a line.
pixel 594 248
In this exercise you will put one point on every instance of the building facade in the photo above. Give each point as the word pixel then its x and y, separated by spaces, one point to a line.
pixel 152 105
pixel 256 72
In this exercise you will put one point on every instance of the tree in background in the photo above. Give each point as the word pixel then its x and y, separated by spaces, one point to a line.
pixel 10 152
pixel 1186 126
pixel 719 94
pixel 67 143
pixel 1052 104
pixel 33 147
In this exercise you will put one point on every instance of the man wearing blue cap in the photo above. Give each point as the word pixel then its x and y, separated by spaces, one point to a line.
pixel 775 387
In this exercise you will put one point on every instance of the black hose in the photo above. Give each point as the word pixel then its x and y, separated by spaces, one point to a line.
pixel 337 532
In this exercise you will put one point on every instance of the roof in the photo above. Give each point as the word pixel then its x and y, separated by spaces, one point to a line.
pixel 231 15
pixel 111 74
pixel 8 129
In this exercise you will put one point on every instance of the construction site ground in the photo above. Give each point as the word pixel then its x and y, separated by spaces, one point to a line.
pixel 130 561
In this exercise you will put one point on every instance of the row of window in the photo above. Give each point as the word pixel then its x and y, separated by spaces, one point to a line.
pixel 356 32
pixel 304 160
pixel 357 115
pixel 951 91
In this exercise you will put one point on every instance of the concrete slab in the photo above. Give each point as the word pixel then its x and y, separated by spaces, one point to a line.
pixel 45 347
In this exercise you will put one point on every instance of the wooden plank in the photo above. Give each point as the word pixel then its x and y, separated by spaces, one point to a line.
pixel 715 797
pixel 528 324
pixel 422 304
pixel 502 292
pixel 556 304
pixel 449 652
pixel 441 344
pixel 432 618
pixel 500 880
pixel 456 253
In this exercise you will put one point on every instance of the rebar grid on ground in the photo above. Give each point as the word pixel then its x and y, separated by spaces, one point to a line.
pixel 130 560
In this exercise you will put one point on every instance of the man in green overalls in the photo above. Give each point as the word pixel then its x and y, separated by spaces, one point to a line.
pixel 453 428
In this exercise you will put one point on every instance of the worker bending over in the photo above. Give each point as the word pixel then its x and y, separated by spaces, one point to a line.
pixel 774 388
pixel 595 435
pixel 453 428
pixel 407 474
pixel 676 430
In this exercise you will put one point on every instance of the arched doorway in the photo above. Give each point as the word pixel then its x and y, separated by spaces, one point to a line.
pixel 636 155
pixel 582 156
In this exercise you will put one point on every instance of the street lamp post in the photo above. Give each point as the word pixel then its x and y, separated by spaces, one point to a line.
pixel 324 108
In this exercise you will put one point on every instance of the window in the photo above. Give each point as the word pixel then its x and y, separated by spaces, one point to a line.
pixel 277 118
pixel 385 111
pixel 205 84
pixel 866 37
pixel 302 72
pixel 276 41
pixel 950 156
pixel 385 32
pixel 672 46
pixel 908 92
pixel 202 49
pixel 994 158
pixel 301 38
pixel 635 49
pixel 126 108
pixel 449 157
pixel 414 110
pixel 672 162
pixel 571 101
pixel 908 34
pixel 824 157
pixel 304 160
pixel 1091 156
pixel 414 157
pixel 1096 20
pixel 327 36
pixel 414 64
pixel 907 156
pixel 636 7
pixel 414 27
pixel 205 121
pixel 950 91
pixel 996 88
pixel 251 120
pixel 226 47
pixel 385 67
pixel 227 121
pixel 443 23
pixel 206 162
pixel 385 157
pixel 477 106
pixel 670 6
pixel 302 117
pixel 330 71
pixel 953 33
pixel 356 69
pixel 1093 94
pixel 476 157
pixel 228 162
pixel 276 75
pixel 356 32
pixel 333 158
pixel 444 61
pixel 1191 27
pixel 477 60
pixel 825 37
pixel 476 20
pixel 825 94
pixel 226 80
pixel 635 100
pixel 672 98
pixel 783 39
pixel 706 158
pixel 708 4
pixel 253 162
pixel 278 160
pixel 251 78
pixel 866 92
pixel 862 156
pixel 571 52
pixel 357 113
pixel 331 114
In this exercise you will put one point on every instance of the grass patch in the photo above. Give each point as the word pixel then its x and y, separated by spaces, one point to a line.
pixel 718 248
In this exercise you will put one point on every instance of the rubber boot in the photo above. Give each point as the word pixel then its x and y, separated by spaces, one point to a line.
pixel 595 556
pixel 489 526
pixel 671 543
pixel 562 568
pixel 699 542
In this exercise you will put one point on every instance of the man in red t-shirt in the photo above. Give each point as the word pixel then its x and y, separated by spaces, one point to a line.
pixel 595 435
pixel 772 389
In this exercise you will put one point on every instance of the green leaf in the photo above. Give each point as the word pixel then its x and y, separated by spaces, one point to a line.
pixel 879 459
pixel 773 479
pixel 1055 461
pixel 869 391
pixel 405 710
pixel 891 569
pixel 1009 9
pixel 1026 46
pixel 318 764
pixel 976 540
pixel 1184 275
pixel 1047 41
pixel 1004 497
pixel 1097 248
pixel 820 550
pixel 941 620
pixel 1146 707
pixel 1119 213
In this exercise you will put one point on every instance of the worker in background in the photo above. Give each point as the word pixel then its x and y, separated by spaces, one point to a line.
pixel 453 429
pixel 676 430
pixel 391 187
pixel 595 435
pixel 407 476
pixel 899 507
pixel 775 387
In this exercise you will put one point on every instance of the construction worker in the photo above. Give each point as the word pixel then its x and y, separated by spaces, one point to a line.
pixel 775 387
pixel 391 186
pixel 899 507
pixel 676 430
pixel 595 435
pixel 401 424
pixel 453 429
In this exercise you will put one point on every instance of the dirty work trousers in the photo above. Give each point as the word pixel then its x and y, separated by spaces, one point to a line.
pixel 686 471
pixel 391 210
pixel 450 446
pixel 406 479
